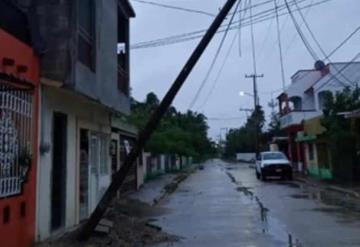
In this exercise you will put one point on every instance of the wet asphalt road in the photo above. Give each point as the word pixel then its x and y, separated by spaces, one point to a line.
pixel 224 205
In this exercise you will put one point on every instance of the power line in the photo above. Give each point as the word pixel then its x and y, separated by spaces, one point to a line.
pixel 252 41
pixel 292 40
pixel 301 34
pixel 218 74
pixel 192 103
pixel 263 16
pixel 357 56
pixel 260 17
pixel 196 34
pixel 316 40
pixel 175 7
pixel 344 42
pixel 240 22
pixel 280 47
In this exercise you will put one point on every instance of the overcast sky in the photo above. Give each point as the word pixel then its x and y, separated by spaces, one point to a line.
pixel 154 69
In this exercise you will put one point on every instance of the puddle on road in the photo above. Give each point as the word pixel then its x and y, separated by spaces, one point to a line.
pixel 333 203
pixel 290 184
pixel 269 224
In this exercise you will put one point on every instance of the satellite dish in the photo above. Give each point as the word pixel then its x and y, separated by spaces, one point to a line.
pixel 319 65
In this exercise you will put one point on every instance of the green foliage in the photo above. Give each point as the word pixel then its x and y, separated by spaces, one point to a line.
pixel 243 139
pixel 178 133
pixel 341 139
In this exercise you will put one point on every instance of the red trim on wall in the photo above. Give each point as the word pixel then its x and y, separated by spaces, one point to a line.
pixel 19 231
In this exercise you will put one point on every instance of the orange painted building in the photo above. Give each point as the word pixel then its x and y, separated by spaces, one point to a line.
pixel 19 110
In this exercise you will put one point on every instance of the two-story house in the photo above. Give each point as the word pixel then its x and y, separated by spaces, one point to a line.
pixel 301 107
pixel 85 94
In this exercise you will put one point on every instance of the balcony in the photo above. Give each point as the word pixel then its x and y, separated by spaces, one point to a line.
pixel 123 81
pixel 296 117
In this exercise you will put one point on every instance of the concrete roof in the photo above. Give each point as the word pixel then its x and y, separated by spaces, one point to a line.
pixel 339 75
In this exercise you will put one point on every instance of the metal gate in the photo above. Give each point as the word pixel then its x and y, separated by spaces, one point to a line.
pixel 15 138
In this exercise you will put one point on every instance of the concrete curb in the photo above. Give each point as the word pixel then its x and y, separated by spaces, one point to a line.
pixel 330 187
pixel 175 182
pixel 342 190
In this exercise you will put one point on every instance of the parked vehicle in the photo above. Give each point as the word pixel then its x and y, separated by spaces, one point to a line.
pixel 274 164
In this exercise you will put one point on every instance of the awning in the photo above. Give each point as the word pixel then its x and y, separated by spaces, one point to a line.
pixel 307 138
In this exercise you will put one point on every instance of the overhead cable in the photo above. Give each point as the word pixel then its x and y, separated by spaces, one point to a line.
pixel 192 103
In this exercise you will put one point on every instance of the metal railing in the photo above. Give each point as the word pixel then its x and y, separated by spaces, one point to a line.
pixel 15 138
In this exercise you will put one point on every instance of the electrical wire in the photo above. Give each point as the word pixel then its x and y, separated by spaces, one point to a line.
pixel 301 34
pixel 192 103
pixel 253 51
pixel 260 17
pixel 175 8
pixel 218 74
pixel 292 40
pixel 280 46
pixel 357 56
pixel 199 34
pixel 317 42
pixel 344 42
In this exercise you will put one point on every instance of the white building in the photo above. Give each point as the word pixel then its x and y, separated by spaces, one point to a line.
pixel 301 106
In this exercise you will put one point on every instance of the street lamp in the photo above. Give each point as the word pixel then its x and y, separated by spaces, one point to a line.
pixel 242 94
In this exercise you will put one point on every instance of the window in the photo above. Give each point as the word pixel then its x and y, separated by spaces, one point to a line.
pixel 297 103
pixel 86 33
pixel 323 97
pixel 104 154
pixel 273 156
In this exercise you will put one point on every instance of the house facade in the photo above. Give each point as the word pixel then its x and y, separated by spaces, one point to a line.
pixel 19 110
pixel 85 93
pixel 301 108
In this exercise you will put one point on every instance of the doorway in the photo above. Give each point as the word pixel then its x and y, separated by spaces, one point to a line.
pixel 58 174
pixel 84 174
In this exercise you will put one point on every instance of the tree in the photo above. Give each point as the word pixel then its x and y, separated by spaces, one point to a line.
pixel 244 139
pixel 342 141
pixel 178 133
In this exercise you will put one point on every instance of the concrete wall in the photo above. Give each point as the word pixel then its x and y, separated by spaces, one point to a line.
pixel 79 111
pixel 102 85
pixel 58 27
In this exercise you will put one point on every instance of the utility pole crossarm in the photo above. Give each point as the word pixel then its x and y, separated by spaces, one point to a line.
pixel 256 96
pixel 152 124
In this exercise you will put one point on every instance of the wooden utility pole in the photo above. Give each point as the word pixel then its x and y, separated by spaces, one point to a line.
pixel 256 96
pixel 256 104
pixel 152 124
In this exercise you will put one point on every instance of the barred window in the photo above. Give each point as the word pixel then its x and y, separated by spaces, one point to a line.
pixel 15 138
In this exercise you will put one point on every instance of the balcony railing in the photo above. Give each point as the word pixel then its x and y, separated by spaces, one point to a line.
pixel 296 117
pixel 123 81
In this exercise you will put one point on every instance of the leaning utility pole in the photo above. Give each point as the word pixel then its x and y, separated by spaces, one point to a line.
pixel 152 124
pixel 256 104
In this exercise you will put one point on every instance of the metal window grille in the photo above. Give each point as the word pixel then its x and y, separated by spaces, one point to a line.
pixel 15 138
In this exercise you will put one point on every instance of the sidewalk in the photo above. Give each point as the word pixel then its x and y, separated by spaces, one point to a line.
pixel 352 190
pixel 129 218
pixel 155 190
